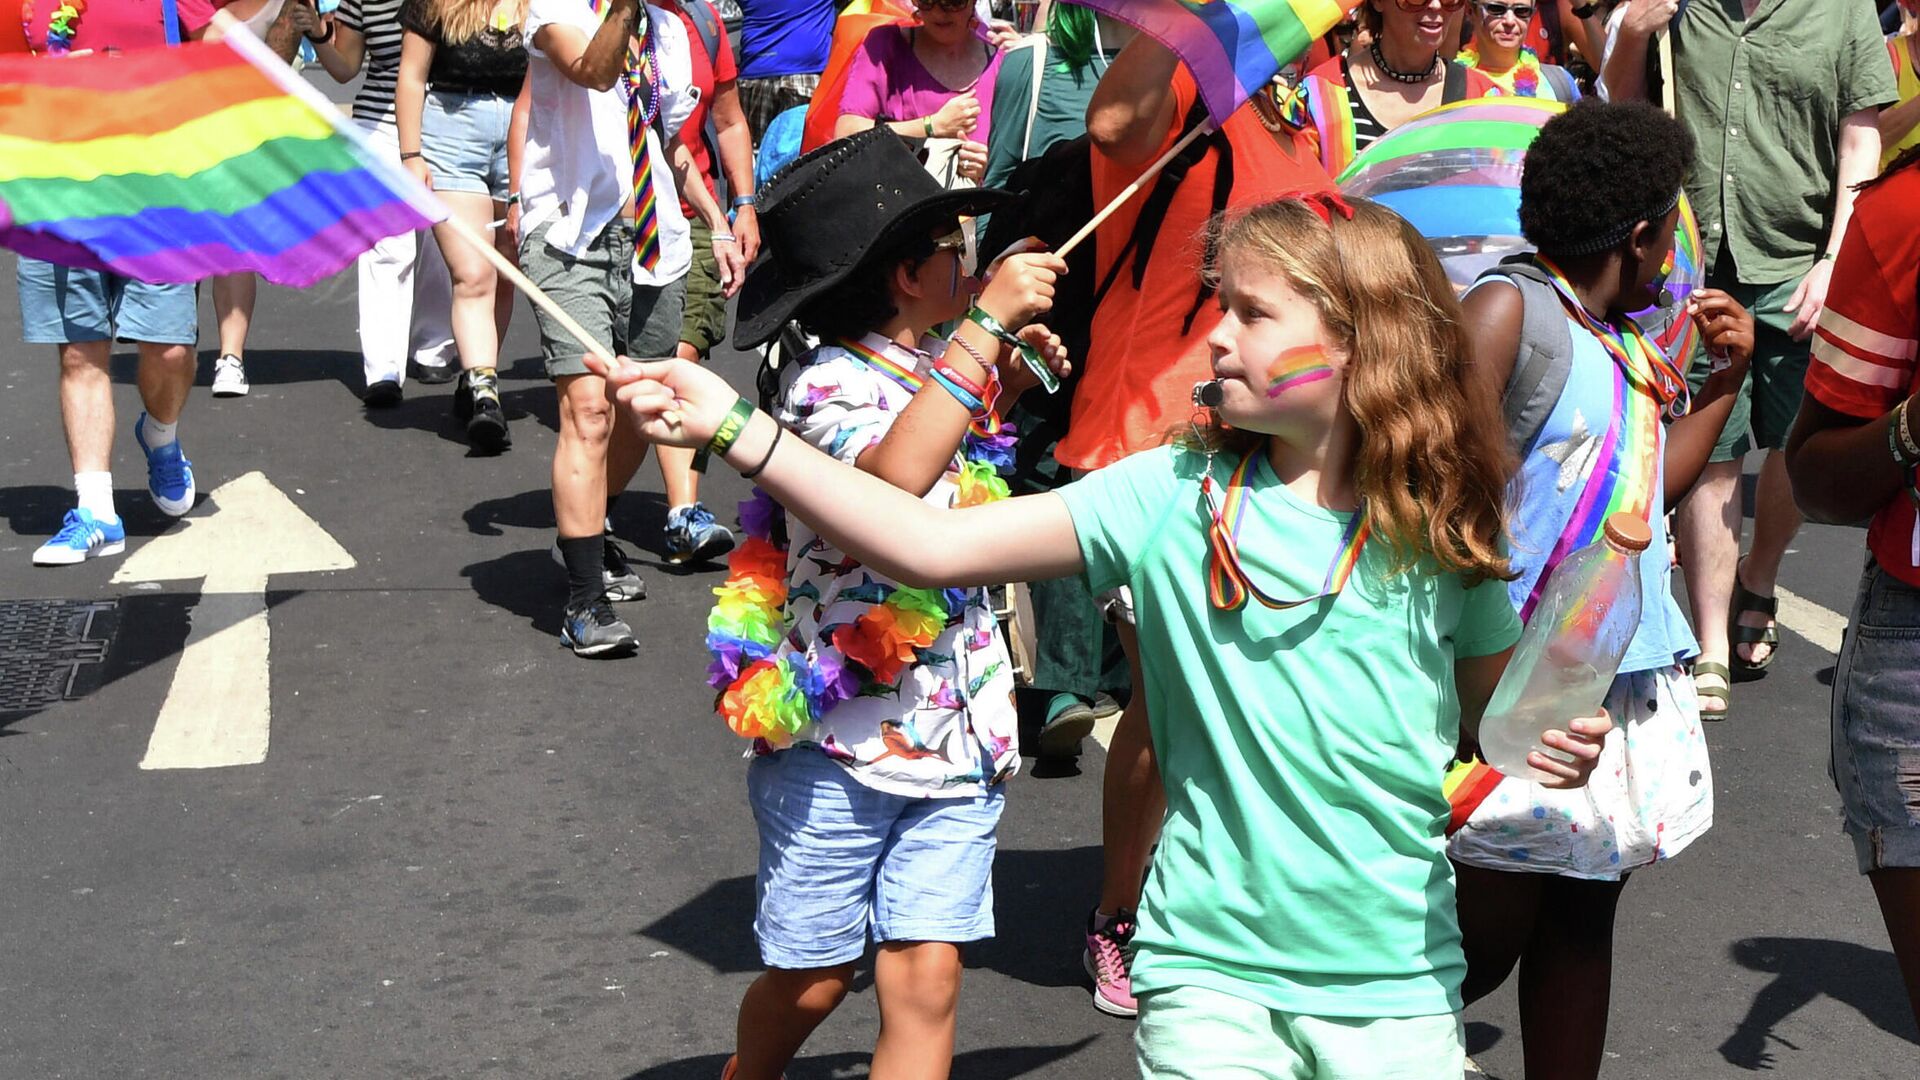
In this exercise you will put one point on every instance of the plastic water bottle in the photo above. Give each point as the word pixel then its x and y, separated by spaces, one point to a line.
pixel 1571 649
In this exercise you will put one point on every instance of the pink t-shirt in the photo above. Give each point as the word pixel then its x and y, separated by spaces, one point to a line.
pixel 886 82
pixel 123 24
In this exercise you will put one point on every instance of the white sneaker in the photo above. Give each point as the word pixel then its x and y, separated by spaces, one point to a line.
pixel 229 377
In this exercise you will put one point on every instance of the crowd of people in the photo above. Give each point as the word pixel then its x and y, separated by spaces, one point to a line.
pixel 1284 520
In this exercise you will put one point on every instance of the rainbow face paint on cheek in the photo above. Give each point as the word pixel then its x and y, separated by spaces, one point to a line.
pixel 1297 367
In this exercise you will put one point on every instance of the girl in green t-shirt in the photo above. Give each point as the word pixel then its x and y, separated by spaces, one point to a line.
pixel 1350 483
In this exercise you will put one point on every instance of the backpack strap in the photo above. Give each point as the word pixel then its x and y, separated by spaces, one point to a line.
pixel 1545 358
pixel 706 21
pixel 1455 88
pixel 1561 80
pixel 170 15
pixel 1153 212
pixel 1039 48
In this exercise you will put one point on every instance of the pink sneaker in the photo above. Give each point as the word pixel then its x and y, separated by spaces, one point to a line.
pixel 1107 964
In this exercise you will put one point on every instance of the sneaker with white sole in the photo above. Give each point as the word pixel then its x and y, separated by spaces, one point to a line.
pixel 617 576
pixel 81 537
pixel 594 630
pixel 230 376
pixel 1108 964
pixel 694 536
pixel 169 473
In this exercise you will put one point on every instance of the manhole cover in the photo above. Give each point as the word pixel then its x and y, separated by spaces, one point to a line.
pixel 46 645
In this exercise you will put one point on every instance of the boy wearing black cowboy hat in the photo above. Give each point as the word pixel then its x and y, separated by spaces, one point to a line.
pixel 878 796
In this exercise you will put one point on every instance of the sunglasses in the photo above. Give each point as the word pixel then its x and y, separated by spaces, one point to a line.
pixel 1523 12
pixel 953 241
pixel 943 5
pixel 1422 5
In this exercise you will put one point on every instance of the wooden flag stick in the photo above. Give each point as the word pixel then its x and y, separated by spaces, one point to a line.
pixel 1133 188
pixel 1667 73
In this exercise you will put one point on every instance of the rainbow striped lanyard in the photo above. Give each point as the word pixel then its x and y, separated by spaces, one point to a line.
pixel 1228 583
pixel 981 427
pixel 1644 363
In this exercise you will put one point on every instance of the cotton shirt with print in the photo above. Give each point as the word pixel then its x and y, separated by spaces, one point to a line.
pixel 1301 864
pixel 946 728
pixel 121 24
pixel 1864 345
pixel 578 169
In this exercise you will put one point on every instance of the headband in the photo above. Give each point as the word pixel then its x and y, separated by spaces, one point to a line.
pixel 1613 237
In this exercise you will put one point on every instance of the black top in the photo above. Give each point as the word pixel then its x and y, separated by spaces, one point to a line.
pixel 492 62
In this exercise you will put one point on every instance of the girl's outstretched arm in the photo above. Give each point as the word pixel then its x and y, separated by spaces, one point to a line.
pixel 676 403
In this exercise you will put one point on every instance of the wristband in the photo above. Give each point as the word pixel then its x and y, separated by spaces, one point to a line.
pixel 968 401
pixel 1900 440
pixel 741 202
pixel 726 434
pixel 982 318
pixel 513 198
pixel 323 38
pixel 778 430
pixel 407 154
pixel 953 375
pixel 929 122
pixel 725 238
pixel 1829 256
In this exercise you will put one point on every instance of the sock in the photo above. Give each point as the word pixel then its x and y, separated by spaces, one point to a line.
pixel 681 509
pixel 158 434
pixel 96 494
pixel 583 557
pixel 1060 703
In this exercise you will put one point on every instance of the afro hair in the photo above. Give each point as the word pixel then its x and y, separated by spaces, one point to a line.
pixel 1599 169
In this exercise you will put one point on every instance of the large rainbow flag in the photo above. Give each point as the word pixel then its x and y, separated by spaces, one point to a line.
pixel 1233 47
pixel 175 164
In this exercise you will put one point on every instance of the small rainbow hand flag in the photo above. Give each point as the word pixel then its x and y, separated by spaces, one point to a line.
pixel 175 164
pixel 1233 47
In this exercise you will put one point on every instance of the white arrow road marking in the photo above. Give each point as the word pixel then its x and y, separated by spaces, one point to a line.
pixel 218 711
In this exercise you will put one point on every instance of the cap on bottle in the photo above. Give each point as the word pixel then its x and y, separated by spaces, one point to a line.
pixel 1628 533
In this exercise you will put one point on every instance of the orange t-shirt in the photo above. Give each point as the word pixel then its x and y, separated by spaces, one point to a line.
pixel 1140 369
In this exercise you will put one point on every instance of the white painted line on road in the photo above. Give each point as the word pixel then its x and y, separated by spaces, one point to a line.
pixel 218 712
pixel 1103 731
pixel 1817 624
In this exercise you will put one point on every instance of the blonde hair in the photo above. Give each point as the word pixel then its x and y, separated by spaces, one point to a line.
pixel 1433 460
pixel 463 20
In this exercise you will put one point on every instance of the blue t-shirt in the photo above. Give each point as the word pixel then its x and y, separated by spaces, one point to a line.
pixel 1551 479
pixel 785 37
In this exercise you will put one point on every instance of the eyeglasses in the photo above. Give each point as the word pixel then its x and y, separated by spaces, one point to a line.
pixel 1523 12
pixel 943 5
pixel 1422 5
pixel 953 241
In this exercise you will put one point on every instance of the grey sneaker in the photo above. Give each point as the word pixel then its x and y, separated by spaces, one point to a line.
pixel 594 630
pixel 617 576
pixel 693 535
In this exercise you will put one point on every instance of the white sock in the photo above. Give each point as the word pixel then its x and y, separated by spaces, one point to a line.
pixel 158 434
pixel 96 494
pixel 672 510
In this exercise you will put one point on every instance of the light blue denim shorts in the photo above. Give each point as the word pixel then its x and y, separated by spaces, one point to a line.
pixel 463 138
pixel 838 858
pixel 63 304
pixel 1876 723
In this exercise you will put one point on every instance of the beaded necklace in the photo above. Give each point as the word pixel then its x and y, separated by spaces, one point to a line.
pixel 61 28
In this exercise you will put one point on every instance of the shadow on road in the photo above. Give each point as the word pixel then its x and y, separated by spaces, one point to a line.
pixel 1040 905
pixel 35 510
pixel 999 1063
pixel 1864 979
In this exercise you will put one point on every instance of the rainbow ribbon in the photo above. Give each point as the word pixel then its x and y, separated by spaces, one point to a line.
pixel 1228 583
pixel 984 427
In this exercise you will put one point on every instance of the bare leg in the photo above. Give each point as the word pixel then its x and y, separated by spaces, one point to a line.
pixel 1776 521
pixel 1566 980
pixel 86 405
pixel 1132 800
pixel 918 983
pixel 503 293
pixel 580 458
pixel 233 298
pixel 1899 894
pixel 779 1012
pixel 165 378
pixel 1709 537
pixel 475 332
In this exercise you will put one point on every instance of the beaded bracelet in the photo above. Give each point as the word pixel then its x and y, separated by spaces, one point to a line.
pixel 726 434
pixel 1906 433
pixel 978 357
pixel 1905 456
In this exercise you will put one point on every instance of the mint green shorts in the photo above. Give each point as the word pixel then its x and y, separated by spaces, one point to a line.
pixel 1195 1033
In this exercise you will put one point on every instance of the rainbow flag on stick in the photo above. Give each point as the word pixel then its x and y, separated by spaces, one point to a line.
pixel 1233 47
pixel 175 164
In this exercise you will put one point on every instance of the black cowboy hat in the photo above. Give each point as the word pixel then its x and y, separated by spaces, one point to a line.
pixel 821 216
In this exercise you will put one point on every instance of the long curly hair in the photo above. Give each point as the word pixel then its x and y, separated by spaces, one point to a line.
pixel 1434 461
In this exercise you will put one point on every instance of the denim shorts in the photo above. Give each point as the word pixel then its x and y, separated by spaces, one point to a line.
pixel 1876 723
pixel 1199 1033
pixel 463 138
pixel 838 858
pixel 63 304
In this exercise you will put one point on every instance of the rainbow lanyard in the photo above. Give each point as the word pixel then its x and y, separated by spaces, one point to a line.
pixel 1642 361
pixel 1228 583
pixel 981 427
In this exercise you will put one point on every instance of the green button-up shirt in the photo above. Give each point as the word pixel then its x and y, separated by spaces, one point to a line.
pixel 1764 98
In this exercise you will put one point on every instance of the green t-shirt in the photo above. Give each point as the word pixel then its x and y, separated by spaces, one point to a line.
pixel 1302 864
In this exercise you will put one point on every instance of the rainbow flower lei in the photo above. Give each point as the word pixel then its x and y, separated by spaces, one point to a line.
pixel 61 27
pixel 772 694
pixel 1521 80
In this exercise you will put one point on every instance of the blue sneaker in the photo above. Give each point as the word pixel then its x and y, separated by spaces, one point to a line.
pixel 693 535
pixel 81 537
pixel 169 473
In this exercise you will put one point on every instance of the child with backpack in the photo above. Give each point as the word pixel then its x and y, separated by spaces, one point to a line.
pixel 1588 395
pixel 1318 580
pixel 881 716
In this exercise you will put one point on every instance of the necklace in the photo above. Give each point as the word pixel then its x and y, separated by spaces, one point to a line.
pixel 1380 61
pixel 1520 80
pixel 1228 583
pixel 61 28
pixel 1644 364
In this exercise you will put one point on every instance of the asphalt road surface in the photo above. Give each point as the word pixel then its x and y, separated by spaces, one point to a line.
pixel 468 853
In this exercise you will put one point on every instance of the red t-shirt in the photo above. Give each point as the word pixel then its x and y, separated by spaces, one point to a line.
pixel 708 72
pixel 1140 368
pixel 1864 345
pixel 122 24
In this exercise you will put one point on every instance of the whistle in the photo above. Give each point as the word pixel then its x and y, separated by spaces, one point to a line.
pixel 1209 394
